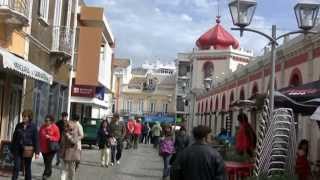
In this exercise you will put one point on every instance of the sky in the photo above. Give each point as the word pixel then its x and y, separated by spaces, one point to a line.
pixel 153 30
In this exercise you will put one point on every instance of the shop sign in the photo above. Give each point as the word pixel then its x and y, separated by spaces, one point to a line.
pixel 100 93
pixel 83 91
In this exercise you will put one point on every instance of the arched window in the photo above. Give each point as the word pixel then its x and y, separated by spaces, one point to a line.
pixel 242 94
pixel 223 102
pixel 206 109
pixel 198 107
pixel 208 69
pixel 255 89
pixel 217 102
pixel 295 78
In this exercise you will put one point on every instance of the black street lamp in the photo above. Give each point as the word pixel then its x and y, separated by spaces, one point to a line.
pixel 242 12
pixel 207 83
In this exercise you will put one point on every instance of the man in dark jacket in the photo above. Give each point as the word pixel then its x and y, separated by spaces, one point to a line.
pixel 61 123
pixel 117 130
pixel 199 161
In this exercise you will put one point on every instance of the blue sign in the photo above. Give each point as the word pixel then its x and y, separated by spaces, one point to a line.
pixel 100 93
pixel 159 118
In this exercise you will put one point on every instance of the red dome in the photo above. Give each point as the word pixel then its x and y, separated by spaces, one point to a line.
pixel 218 38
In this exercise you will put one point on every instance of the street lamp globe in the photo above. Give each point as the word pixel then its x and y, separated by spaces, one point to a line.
pixel 306 14
pixel 207 83
pixel 242 12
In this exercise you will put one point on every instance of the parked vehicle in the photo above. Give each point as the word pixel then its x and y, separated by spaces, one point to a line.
pixel 90 129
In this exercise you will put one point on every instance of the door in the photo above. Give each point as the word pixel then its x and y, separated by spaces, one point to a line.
pixel 14 110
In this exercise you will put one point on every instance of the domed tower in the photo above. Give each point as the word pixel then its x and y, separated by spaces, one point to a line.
pixel 217 54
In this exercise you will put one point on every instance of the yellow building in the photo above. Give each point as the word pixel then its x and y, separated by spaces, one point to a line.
pixel 15 20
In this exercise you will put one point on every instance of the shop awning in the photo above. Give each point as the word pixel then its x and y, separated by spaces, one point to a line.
pixel 26 68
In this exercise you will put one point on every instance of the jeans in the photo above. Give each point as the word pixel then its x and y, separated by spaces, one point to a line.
pixel 144 138
pixel 68 171
pixel 18 161
pixel 136 141
pixel 116 151
pixel 105 156
pixel 166 165
pixel 47 158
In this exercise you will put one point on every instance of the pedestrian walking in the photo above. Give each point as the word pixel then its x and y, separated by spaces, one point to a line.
pixel 156 133
pixel 181 142
pixel 104 143
pixel 49 136
pixel 70 152
pixel 199 161
pixel 24 145
pixel 145 133
pixel 61 125
pixel 166 150
pixel 130 133
pixel 246 138
pixel 137 133
pixel 75 118
pixel 302 168
pixel 118 131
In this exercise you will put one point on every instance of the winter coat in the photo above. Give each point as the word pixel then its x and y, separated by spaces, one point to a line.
pixel 166 146
pixel 198 162
pixel 69 144
pixel 156 130
pixel 137 128
pixel 53 131
pixel 117 130
pixel 181 142
pixel 302 166
pixel 103 136
pixel 145 129
pixel 24 137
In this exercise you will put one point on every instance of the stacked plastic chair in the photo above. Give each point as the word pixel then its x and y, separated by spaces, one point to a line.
pixel 276 146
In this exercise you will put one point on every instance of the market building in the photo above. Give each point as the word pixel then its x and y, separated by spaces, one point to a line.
pixel 91 93
pixel 149 93
pixel 297 65
pixel 217 55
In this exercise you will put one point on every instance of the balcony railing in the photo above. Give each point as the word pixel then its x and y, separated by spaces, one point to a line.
pixel 19 8
pixel 62 40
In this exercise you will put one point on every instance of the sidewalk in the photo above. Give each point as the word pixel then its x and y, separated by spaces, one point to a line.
pixel 141 164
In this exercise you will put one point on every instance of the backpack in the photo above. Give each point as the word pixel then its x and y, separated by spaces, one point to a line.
pixel 166 147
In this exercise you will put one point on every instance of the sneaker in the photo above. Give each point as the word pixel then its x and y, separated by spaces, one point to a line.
pixel 111 164
pixel 118 162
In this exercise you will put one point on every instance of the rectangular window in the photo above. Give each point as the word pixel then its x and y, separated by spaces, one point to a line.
pixel 141 105
pixel 44 9
pixel 152 107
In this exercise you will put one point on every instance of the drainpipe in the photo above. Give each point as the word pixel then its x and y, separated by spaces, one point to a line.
pixel 75 24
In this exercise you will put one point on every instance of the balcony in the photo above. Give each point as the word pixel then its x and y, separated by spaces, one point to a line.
pixel 62 42
pixel 15 11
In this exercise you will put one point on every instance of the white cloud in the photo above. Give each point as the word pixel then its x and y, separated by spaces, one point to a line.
pixel 186 17
pixel 163 28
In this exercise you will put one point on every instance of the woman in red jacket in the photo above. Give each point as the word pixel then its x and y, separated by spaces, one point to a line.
pixel 137 132
pixel 49 137
pixel 302 164
pixel 246 137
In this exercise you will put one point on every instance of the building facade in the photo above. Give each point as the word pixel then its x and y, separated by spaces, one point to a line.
pixel 91 93
pixel 297 64
pixel 216 56
pixel 150 91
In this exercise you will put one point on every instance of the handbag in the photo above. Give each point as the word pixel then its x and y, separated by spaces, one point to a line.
pixel 54 146
pixel 28 151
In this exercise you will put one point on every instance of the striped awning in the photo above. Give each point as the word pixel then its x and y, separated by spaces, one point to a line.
pixel 24 67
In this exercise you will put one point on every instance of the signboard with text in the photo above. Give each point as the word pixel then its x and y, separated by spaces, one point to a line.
pixel 83 91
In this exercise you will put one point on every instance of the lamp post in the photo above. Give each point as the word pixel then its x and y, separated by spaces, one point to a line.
pixel 242 12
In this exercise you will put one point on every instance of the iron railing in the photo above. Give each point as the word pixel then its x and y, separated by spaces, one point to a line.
pixel 62 39
pixel 20 6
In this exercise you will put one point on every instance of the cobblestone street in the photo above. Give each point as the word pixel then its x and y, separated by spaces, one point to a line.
pixel 141 164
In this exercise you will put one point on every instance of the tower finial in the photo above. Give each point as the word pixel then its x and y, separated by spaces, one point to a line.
pixel 218 16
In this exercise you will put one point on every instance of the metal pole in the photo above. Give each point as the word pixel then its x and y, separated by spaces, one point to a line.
pixel 75 24
pixel 272 74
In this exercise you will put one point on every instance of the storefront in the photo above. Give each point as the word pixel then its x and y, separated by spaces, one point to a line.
pixel 13 70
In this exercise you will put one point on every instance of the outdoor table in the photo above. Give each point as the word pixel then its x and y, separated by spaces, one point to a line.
pixel 237 168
